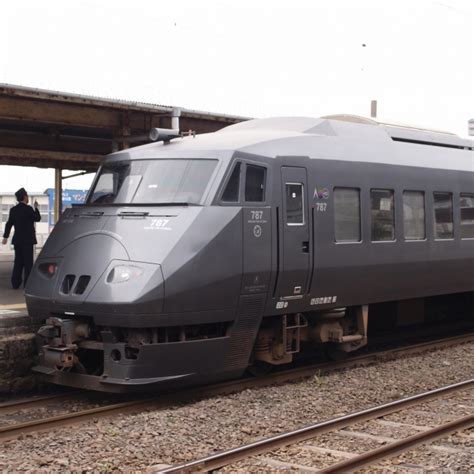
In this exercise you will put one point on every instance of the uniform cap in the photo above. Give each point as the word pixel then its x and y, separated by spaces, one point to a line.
pixel 20 194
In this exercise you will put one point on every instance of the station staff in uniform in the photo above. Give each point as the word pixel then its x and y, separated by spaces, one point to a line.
pixel 22 217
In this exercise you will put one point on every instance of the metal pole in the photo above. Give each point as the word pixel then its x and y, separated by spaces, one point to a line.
pixel 58 193
pixel 373 108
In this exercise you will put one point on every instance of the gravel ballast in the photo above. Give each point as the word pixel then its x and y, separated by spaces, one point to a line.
pixel 188 431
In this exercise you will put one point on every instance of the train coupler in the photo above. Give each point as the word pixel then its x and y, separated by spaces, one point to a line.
pixel 58 339
pixel 58 357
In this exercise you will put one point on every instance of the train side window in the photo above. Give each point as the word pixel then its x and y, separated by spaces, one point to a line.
pixel 414 215
pixel 294 204
pixel 383 216
pixel 443 215
pixel 467 216
pixel 347 214
pixel 231 192
pixel 255 184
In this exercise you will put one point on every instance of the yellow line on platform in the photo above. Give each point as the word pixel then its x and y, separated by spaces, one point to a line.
pixel 13 306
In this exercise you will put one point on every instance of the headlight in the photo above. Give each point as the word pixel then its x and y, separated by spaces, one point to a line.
pixel 123 273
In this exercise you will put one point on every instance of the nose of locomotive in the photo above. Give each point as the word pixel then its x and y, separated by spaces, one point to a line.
pixel 96 269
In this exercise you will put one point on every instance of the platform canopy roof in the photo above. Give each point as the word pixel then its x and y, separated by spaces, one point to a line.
pixel 50 129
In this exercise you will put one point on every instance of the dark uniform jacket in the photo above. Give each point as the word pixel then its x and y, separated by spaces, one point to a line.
pixel 22 217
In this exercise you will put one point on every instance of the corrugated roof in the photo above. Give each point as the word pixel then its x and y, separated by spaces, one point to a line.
pixel 59 96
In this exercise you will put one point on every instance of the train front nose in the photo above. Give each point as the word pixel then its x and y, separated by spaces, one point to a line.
pixel 91 287
pixel 83 266
pixel 94 273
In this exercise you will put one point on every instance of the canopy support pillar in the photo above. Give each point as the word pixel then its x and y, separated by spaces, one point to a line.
pixel 58 193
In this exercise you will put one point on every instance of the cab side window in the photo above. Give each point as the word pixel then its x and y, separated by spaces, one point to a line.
pixel 231 192
pixel 255 183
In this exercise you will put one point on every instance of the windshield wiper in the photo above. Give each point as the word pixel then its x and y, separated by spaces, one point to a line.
pixel 90 214
pixel 133 214
pixel 141 204
pixel 175 204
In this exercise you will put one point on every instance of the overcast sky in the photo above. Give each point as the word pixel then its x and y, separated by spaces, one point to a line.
pixel 252 58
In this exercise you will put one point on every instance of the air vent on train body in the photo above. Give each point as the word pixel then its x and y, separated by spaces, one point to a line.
pixel 422 142
pixel 66 286
pixel 82 284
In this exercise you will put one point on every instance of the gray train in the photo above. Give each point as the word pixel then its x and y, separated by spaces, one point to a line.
pixel 196 258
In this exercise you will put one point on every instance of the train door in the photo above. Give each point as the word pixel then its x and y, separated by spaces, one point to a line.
pixel 256 264
pixel 256 231
pixel 294 242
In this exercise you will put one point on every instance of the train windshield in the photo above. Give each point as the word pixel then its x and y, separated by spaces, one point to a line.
pixel 152 182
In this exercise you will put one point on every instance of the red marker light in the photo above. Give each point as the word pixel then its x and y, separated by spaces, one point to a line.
pixel 48 269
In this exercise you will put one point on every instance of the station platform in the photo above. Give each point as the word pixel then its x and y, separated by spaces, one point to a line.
pixel 10 299
pixel 17 335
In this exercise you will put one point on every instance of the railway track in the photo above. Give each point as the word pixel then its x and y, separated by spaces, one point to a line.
pixel 37 401
pixel 13 430
pixel 339 425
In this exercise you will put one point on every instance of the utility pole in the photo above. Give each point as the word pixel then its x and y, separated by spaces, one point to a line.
pixel 373 108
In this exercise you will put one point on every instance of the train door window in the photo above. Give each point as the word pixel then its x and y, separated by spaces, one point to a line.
pixel 294 204
pixel 347 214
pixel 383 216
pixel 414 215
pixel 443 215
pixel 231 192
pixel 255 183
pixel 467 216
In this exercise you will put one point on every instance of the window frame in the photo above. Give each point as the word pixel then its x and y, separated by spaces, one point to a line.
pixel 295 224
pixel 242 183
pixel 461 195
pixel 394 214
pixel 112 167
pixel 224 187
pixel 359 192
pixel 435 237
pixel 425 226
pixel 265 188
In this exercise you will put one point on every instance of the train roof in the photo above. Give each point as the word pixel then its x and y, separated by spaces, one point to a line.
pixel 331 125
pixel 337 137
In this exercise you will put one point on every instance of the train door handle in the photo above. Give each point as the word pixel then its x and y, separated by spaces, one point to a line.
pixel 305 247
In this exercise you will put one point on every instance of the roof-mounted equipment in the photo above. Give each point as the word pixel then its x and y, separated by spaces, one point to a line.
pixel 166 134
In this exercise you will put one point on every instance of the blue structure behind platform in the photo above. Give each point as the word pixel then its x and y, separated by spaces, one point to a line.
pixel 70 197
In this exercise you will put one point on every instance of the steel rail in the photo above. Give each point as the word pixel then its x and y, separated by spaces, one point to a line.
pixel 231 456
pixel 400 446
pixel 12 431
pixel 12 406
pixel 221 388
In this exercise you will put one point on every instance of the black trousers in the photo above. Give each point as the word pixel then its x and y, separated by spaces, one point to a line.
pixel 22 265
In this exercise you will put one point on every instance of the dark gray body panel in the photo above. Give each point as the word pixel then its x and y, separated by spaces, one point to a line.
pixel 369 272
